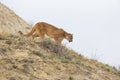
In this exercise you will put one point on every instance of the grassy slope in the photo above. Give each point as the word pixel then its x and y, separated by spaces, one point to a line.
pixel 27 59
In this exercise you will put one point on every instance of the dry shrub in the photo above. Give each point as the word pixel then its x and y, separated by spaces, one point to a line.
pixel 38 53
pixel 15 78
pixel 71 78
pixel 3 50
pixel 4 35
pixel 1 37
pixel 9 42
pixel 52 47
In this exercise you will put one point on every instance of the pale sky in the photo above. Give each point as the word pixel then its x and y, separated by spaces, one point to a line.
pixel 95 24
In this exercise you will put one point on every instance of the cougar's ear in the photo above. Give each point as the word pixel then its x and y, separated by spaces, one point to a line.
pixel 72 34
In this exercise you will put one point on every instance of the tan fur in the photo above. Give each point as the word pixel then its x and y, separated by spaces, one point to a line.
pixel 42 28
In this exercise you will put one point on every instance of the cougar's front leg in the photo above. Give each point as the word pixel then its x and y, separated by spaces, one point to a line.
pixel 58 40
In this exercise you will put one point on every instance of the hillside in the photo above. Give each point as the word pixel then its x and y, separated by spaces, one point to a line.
pixel 10 22
pixel 30 59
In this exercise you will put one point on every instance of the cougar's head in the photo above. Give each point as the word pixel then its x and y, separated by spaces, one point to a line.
pixel 69 37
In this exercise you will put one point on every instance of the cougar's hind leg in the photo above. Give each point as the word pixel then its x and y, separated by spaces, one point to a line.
pixel 40 34
pixel 35 35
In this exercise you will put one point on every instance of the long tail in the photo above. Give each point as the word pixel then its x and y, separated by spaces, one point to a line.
pixel 28 34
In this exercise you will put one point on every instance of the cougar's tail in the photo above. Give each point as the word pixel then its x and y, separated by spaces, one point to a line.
pixel 20 32
pixel 28 34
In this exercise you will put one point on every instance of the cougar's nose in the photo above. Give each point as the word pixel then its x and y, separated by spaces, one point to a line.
pixel 70 40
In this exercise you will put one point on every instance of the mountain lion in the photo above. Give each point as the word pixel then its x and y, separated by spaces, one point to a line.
pixel 42 28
